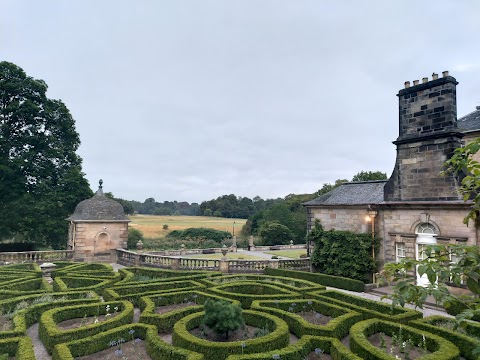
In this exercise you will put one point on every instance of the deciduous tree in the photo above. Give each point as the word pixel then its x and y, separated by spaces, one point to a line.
pixel 41 179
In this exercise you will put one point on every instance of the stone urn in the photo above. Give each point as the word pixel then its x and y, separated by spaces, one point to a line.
pixel 182 249
pixel 140 245
pixel 224 251
pixel 47 268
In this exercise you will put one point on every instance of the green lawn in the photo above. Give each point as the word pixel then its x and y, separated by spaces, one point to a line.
pixel 231 256
pixel 293 254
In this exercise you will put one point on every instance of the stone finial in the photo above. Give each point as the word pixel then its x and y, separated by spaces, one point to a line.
pixel 425 80
pixel 100 182
pixel 444 73
pixel 407 84
pixel 415 82
pixel 434 76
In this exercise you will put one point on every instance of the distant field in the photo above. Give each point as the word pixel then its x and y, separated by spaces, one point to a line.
pixel 152 225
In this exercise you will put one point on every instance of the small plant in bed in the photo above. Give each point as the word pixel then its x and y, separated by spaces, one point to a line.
pixel 223 317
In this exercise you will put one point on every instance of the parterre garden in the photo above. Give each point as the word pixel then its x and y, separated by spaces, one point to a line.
pixel 90 311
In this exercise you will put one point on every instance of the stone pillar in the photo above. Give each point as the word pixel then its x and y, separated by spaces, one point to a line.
pixel 234 244
pixel 223 266
pixel 137 259
pixel 250 243
pixel 175 263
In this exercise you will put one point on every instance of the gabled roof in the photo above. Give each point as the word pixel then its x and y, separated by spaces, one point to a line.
pixel 353 193
pixel 470 122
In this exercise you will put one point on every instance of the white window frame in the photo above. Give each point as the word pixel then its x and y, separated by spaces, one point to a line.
pixel 400 251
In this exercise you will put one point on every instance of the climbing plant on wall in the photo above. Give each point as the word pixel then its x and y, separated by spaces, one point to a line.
pixel 343 253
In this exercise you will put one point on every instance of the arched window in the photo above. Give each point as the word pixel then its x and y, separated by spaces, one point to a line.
pixel 426 228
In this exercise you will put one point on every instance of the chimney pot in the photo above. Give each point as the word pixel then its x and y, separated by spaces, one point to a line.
pixel 425 80
pixel 407 84
pixel 445 73
pixel 415 82
pixel 434 76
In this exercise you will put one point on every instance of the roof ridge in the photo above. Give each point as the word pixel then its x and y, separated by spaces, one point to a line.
pixel 464 116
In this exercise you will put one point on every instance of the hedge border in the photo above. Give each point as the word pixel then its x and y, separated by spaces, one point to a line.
pixel 370 308
pixel 9 305
pixel 60 283
pixel 440 348
pixel 51 335
pixel 152 289
pixel 246 299
pixel 278 338
pixel 169 275
pixel 156 348
pixel 338 327
pixel 29 316
pixel 302 348
pixel 20 347
pixel 269 279
pixel 318 278
pixel 165 322
pixel 465 343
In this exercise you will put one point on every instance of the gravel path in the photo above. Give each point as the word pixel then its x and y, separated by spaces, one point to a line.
pixel 427 310
pixel 41 352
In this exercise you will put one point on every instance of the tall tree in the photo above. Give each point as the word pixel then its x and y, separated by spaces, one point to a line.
pixel 41 179
pixel 369 176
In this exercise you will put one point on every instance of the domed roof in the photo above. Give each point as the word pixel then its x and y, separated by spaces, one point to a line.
pixel 98 208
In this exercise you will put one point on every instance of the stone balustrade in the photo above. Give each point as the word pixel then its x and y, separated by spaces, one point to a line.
pixel 130 258
pixel 36 256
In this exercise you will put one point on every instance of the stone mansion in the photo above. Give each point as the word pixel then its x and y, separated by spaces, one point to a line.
pixel 415 207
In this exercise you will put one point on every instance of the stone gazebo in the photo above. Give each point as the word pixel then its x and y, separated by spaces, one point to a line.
pixel 97 227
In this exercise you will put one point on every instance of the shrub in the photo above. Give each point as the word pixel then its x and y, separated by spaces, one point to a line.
pixel 274 233
pixel 440 348
pixel 344 253
pixel 134 236
pixel 200 234
pixel 369 308
pixel 322 279
pixel 222 316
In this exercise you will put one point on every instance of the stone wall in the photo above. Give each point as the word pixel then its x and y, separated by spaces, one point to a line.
pixel 351 219
pixel 399 225
pixel 99 238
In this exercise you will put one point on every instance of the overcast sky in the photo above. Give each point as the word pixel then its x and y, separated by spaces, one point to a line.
pixel 189 100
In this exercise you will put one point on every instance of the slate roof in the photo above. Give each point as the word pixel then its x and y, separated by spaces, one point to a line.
pixel 353 193
pixel 470 122
pixel 98 208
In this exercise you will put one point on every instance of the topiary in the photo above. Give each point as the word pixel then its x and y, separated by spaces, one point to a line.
pixel 222 316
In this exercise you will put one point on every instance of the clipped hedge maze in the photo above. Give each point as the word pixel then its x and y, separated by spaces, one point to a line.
pixel 90 311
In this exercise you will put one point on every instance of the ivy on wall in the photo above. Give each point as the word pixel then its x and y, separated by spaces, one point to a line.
pixel 343 253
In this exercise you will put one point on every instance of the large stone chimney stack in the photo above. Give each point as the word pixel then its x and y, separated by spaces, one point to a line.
pixel 427 137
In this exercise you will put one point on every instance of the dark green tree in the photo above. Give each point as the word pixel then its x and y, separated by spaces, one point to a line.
pixel 207 212
pixel 369 176
pixel 41 179
pixel 134 236
pixel 223 317
pixel 274 233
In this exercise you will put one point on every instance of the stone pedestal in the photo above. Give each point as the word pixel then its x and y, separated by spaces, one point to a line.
pixel 223 266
